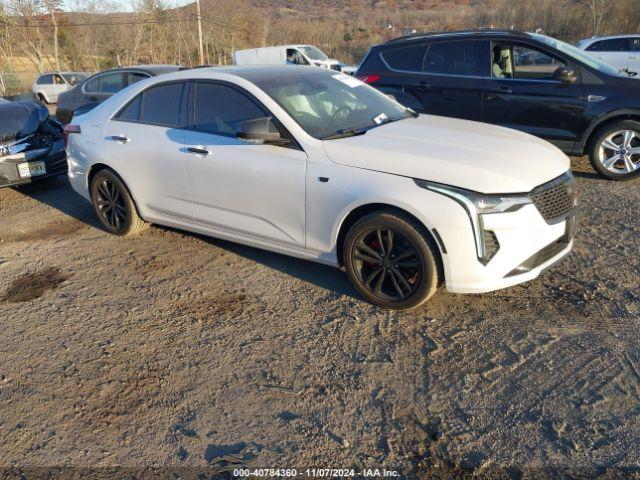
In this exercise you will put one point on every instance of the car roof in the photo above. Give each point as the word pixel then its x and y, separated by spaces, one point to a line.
pixel 251 73
pixel 589 41
pixel 458 33
pixel 151 69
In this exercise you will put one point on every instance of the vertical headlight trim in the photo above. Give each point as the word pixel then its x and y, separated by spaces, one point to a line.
pixel 472 213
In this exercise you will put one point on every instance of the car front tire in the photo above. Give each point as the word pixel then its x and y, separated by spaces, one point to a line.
pixel 114 206
pixel 390 261
pixel 615 150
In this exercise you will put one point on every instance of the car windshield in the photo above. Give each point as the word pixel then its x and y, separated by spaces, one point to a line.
pixel 579 55
pixel 73 78
pixel 327 104
pixel 313 53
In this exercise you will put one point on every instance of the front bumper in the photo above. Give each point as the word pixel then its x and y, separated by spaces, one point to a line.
pixel 54 157
pixel 528 245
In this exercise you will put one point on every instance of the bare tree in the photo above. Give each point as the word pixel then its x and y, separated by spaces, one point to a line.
pixel 52 6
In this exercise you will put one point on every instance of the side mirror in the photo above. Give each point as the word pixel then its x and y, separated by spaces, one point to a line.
pixel 565 75
pixel 261 130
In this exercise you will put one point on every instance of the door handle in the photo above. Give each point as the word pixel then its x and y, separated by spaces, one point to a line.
pixel 504 90
pixel 118 138
pixel 198 151
pixel 635 57
pixel 93 99
pixel 424 85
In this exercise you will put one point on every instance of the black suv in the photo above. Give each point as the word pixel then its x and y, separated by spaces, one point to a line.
pixel 519 80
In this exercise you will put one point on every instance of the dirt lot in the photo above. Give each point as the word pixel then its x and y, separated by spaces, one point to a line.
pixel 173 349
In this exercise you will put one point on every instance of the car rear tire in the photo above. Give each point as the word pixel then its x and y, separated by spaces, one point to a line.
pixel 615 150
pixel 114 206
pixel 390 261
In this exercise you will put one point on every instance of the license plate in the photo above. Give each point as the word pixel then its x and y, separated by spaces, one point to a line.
pixel 31 169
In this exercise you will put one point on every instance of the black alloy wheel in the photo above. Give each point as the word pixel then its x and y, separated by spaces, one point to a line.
pixel 390 261
pixel 114 205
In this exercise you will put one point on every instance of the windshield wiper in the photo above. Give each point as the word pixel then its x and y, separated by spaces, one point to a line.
pixel 347 132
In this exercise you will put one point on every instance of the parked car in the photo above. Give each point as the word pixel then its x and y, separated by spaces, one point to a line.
pixel 320 166
pixel 31 143
pixel 620 51
pixel 48 86
pixel 285 55
pixel 97 88
pixel 524 81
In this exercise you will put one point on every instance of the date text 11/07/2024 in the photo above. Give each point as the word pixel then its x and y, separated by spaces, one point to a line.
pixel 315 472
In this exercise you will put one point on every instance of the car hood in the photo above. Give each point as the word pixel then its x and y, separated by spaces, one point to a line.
pixel 19 119
pixel 472 155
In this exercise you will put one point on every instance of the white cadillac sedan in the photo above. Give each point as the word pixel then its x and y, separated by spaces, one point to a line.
pixel 317 165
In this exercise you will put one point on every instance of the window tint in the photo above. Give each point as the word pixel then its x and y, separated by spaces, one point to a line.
pixel 92 85
pixel 614 45
pixel 635 44
pixel 220 109
pixel 295 57
pixel 45 80
pixel 533 64
pixel 407 58
pixel 132 111
pixel 452 58
pixel 162 105
pixel 110 83
pixel 136 77
pixel 594 47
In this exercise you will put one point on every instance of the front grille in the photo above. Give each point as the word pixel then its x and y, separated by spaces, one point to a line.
pixel 555 199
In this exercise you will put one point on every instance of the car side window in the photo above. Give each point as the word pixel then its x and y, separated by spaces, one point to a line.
pixel 131 112
pixel 614 45
pixel 594 47
pixel 92 85
pixel 407 58
pixel 111 83
pixel 452 58
pixel 45 80
pixel 295 57
pixel 57 79
pixel 220 109
pixel 136 77
pixel 531 64
pixel 635 44
pixel 162 105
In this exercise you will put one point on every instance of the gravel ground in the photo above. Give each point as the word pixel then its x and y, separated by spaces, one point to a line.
pixel 171 349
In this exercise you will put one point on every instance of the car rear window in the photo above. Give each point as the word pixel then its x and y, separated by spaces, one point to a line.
pixel 160 105
pixel 407 58
pixel 452 58
pixel 131 112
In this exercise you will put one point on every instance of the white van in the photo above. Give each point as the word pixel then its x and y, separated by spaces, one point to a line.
pixel 285 55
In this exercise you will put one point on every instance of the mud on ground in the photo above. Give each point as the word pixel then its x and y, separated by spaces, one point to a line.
pixel 170 349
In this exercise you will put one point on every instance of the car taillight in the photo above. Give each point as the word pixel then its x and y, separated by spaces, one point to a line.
pixel 68 129
pixel 369 78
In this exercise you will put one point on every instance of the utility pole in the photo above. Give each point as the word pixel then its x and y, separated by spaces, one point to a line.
pixel 52 5
pixel 200 49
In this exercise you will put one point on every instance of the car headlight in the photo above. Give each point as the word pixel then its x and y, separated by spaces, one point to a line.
pixel 478 204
